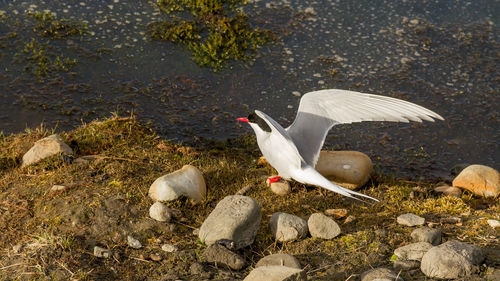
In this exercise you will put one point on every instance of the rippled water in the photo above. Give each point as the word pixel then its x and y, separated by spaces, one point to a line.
pixel 443 55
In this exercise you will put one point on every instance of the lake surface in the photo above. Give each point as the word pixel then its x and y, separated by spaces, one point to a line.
pixel 443 55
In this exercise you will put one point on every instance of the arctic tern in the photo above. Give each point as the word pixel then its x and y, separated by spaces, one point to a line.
pixel 294 151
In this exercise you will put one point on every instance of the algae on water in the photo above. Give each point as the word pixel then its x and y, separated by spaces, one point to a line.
pixel 215 31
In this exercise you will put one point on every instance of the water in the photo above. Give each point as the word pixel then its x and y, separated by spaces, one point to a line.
pixel 443 55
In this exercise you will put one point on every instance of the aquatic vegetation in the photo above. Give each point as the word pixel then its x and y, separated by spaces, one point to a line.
pixel 40 61
pixel 216 31
pixel 47 24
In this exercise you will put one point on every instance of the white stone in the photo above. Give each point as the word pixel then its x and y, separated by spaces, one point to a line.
pixel 187 181
pixel 280 260
pixel 427 234
pixel 160 212
pixel 286 227
pixel 493 223
pixel 410 220
pixel 276 273
pixel 44 148
pixel 380 274
pixel 414 251
pixel 321 226
pixel 236 218
pixel 133 243
pixel 169 248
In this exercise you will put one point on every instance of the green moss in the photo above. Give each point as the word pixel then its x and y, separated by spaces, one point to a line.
pixel 215 32
pixel 47 24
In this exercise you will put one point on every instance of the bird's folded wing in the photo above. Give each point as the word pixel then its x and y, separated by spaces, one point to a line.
pixel 320 110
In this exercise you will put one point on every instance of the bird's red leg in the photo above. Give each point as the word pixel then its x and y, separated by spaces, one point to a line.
pixel 273 179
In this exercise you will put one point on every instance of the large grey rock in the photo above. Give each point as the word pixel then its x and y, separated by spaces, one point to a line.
pixel 405 264
pixel 410 220
pixel 276 273
pixel 235 218
pixel 380 274
pixel 427 234
pixel 286 227
pixel 187 181
pixel 414 251
pixel 44 148
pixel 451 260
pixel 480 180
pixel 321 226
pixel 280 260
pixel 221 255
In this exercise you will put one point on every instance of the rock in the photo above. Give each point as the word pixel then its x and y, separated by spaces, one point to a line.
pixel 187 181
pixel 196 268
pixel 336 213
pixel 414 251
pixel 160 212
pixel 276 273
pixel 221 255
pixel 236 218
pixel 480 180
pixel 155 257
pixel 450 220
pixel 455 170
pixel 349 219
pixel 427 234
pixel 449 190
pixel 451 260
pixel 279 260
pixel 281 187
pixel 169 248
pixel 44 148
pixel 133 243
pixel 58 188
pixel 493 223
pixel 410 220
pixel 405 264
pixel 286 227
pixel 102 252
pixel 380 274
pixel 351 169
pixel 321 226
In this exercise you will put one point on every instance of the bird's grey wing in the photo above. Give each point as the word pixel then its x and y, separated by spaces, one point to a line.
pixel 320 110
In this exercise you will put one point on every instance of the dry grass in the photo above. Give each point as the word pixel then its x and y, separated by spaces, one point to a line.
pixel 107 199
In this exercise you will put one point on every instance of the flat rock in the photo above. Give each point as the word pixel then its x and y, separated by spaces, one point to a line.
pixel 187 181
pixel 380 274
pixel 235 218
pixel 451 260
pixel 276 273
pixel 493 223
pixel 169 248
pixel 44 148
pixel 480 180
pixel 279 260
pixel 350 169
pixel 321 226
pixel 449 190
pixel 286 227
pixel 410 220
pixel 427 234
pixel 336 213
pixel 160 212
pixel 221 255
pixel 414 251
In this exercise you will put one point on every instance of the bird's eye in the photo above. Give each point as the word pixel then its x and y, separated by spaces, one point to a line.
pixel 252 118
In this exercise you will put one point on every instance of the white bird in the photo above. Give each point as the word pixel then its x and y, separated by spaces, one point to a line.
pixel 294 151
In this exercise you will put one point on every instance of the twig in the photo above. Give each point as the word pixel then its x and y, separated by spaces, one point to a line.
pixel 244 190
pixel 139 259
pixel 62 265
pixel 92 157
pixel 186 225
pixel 12 265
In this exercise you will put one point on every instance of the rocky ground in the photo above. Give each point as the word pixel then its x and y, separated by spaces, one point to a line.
pixel 87 213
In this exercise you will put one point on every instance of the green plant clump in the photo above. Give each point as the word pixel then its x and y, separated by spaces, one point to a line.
pixel 47 24
pixel 215 33
pixel 40 61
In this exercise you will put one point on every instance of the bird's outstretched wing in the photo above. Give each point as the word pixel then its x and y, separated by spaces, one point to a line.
pixel 320 110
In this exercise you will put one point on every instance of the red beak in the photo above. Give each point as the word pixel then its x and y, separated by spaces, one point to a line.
pixel 243 119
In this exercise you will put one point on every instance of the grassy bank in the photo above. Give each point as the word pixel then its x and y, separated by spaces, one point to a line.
pixel 50 235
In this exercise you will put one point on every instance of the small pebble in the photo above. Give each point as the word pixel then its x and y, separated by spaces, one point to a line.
pixel 336 213
pixel 133 243
pixel 169 248
pixel 155 257
pixel 102 252
pixel 493 223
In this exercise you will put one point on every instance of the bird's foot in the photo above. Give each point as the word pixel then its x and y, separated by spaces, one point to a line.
pixel 273 179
